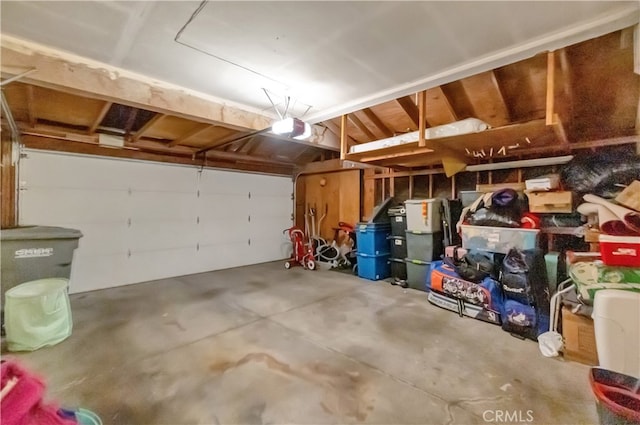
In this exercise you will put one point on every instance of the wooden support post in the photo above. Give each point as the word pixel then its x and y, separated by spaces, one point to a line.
pixel 392 183
pixel 430 185
pixel 453 186
pixel 410 186
pixel 551 72
pixel 368 197
pixel 7 184
pixel 343 137
pixel 422 116
pixel 384 190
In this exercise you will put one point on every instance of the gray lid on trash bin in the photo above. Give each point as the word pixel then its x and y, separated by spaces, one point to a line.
pixel 39 232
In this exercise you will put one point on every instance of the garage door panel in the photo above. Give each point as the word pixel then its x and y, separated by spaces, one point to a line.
pixel 151 265
pixel 103 238
pixel 71 171
pixel 156 205
pixel 223 206
pixel 41 206
pixel 162 234
pixel 90 272
pixel 215 257
pixel 161 177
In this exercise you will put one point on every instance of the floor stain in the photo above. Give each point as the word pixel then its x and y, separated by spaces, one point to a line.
pixel 175 323
pixel 344 391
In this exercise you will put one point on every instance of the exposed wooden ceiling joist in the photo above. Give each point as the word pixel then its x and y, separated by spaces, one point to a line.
pixel 354 119
pixel 377 122
pixel 31 107
pixel 61 71
pixel 156 119
pixel 100 117
pixel 194 132
pixel 410 109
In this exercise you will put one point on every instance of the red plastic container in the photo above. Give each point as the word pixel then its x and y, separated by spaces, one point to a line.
pixel 620 250
pixel 617 397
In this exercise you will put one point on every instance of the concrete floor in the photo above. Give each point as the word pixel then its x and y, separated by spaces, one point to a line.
pixel 265 345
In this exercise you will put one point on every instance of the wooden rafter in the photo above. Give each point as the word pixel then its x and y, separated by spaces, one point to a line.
pixel 103 112
pixel 131 119
pixel 255 144
pixel 336 130
pixel 448 104
pixel 343 137
pixel 188 135
pixel 153 121
pixel 551 73
pixel 354 119
pixel 31 106
pixel 377 122
pixel 422 118
pixel 410 109
pixel 565 68
pixel 500 92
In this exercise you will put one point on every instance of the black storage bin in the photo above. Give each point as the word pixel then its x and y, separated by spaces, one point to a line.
pixel 398 218
pixel 398 246
pixel 398 268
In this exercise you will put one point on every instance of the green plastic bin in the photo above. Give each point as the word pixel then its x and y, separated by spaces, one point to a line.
pixel 37 314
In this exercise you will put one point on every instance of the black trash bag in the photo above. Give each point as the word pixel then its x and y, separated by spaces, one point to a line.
pixel 473 267
pixel 601 174
pixel 496 217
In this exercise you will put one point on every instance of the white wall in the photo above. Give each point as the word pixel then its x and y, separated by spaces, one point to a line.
pixel 144 221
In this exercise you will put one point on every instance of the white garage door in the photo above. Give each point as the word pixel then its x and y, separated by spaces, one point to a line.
pixel 144 221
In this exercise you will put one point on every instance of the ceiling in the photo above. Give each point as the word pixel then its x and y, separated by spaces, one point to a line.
pixel 486 60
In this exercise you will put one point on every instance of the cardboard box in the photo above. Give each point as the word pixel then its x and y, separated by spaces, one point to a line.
pixel 550 202
pixel 579 338
pixel 630 197
pixel 486 188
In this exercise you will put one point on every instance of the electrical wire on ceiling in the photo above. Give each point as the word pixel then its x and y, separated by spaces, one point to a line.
pixel 190 20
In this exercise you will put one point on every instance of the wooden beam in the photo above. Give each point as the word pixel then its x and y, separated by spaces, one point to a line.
pixel 377 122
pixel 422 116
pixel 73 74
pixel 336 130
pixel 354 119
pixel 558 129
pixel 8 216
pixel 192 133
pixel 565 68
pixel 131 119
pixel 343 137
pixel 217 161
pixel 368 194
pixel 31 106
pixel 591 144
pixel 551 72
pixel 410 109
pixel 255 144
pixel 153 121
pixel 99 118
pixel 388 174
pixel 447 102
pixel 498 88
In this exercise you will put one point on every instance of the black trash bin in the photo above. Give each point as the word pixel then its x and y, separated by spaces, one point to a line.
pixel 35 252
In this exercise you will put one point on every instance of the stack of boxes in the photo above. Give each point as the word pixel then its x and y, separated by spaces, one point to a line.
pixel 373 250
pixel 398 243
pixel 423 240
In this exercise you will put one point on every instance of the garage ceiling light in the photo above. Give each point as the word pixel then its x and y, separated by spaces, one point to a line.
pixel 292 127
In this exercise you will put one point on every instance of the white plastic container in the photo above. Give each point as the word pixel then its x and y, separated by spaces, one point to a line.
pixel 616 321
pixel 423 215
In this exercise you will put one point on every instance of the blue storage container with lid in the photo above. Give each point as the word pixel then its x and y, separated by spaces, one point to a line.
pixel 371 238
pixel 374 267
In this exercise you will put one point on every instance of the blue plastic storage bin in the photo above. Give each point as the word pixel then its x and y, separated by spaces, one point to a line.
pixel 374 267
pixel 371 238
